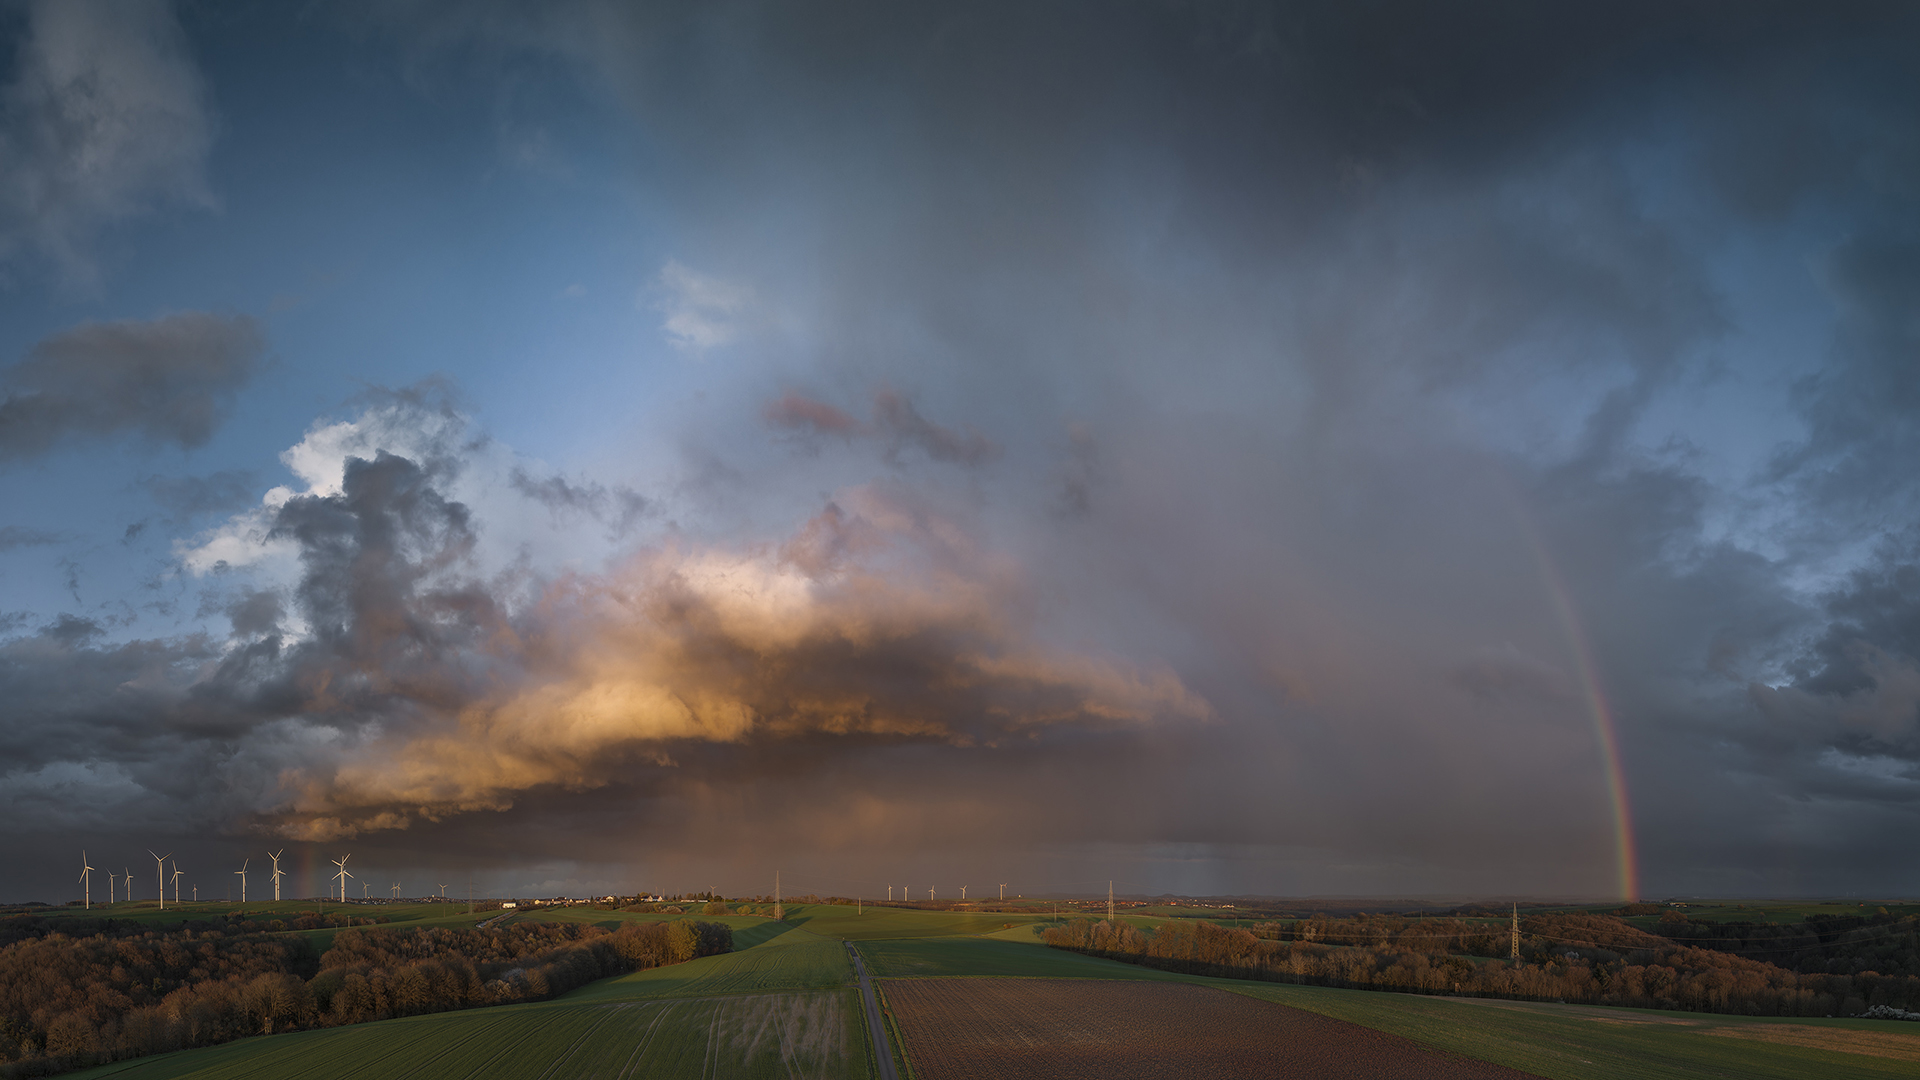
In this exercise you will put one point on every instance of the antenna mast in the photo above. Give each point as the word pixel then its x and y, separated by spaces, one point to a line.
pixel 1109 901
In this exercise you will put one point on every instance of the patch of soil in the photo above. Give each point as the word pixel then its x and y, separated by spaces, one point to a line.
pixel 1072 1029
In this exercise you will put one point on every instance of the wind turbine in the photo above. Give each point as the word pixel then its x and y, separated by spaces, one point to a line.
pixel 1003 890
pixel 127 876
pixel 110 880
pixel 443 892
pixel 160 871
pixel 366 891
pixel 396 890
pixel 243 879
pixel 177 875
pixel 275 856
pixel 963 894
pixel 342 876
pixel 86 882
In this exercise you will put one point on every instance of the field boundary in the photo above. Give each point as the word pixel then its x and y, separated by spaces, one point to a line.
pixel 876 1030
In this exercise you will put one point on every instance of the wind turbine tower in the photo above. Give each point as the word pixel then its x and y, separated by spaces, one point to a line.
pixel 275 856
pixel 177 875
pixel 342 876
pixel 1003 890
pixel 86 882
pixel 396 890
pixel 963 894
pixel 443 892
pixel 243 879
pixel 127 876
pixel 160 871
pixel 110 881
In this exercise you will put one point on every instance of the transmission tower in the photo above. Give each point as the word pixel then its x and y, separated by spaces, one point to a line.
pixel 1515 954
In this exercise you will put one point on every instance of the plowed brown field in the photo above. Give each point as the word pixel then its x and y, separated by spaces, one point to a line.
pixel 1072 1028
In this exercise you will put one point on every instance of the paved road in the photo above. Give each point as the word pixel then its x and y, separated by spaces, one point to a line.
pixel 881 1051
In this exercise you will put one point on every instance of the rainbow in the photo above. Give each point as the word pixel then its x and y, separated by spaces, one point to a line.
pixel 1605 731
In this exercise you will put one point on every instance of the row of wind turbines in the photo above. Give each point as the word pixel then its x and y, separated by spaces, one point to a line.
pixel 160 871
pixel 963 892
pixel 341 875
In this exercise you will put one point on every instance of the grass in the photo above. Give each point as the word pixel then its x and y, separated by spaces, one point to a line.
pixel 950 956
pixel 754 1036
pixel 875 923
pixel 794 960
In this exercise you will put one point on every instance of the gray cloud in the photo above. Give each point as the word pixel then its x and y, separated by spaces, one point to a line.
pixel 168 380
pixel 18 536
pixel 619 508
pixel 106 117
pixel 896 423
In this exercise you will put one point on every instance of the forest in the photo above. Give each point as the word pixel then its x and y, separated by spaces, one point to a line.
pixel 71 1000
pixel 1841 967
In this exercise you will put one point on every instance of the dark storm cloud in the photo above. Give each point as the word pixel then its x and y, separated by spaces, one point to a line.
pixel 1861 407
pixel 168 380
pixel 1364 313
pixel 256 613
pixel 396 682
pixel 1356 318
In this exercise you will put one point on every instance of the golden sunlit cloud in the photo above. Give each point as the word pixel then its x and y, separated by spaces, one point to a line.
pixel 874 622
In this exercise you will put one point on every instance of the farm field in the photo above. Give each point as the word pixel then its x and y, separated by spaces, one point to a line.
pixel 794 960
pixel 782 1035
pixel 992 1028
pixel 848 923
pixel 906 958
pixel 1575 1042
pixel 784 1004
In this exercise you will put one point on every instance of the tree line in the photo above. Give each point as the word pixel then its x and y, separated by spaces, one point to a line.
pixel 1592 959
pixel 1821 943
pixel 70 1002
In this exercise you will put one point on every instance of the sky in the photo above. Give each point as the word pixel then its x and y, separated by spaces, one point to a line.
pixel 1304 449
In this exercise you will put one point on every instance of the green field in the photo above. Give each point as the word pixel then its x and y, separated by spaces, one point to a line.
pixel 780 1035
pixel 783 1004
pixel 913 958
pixel 794 960
pixel 1573 1042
